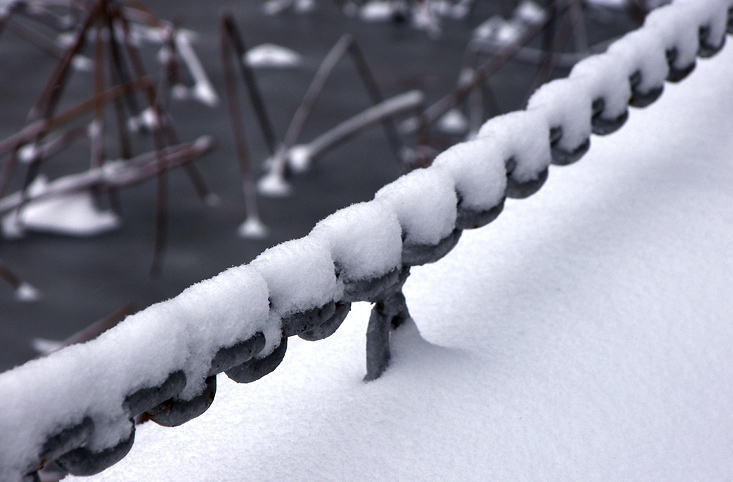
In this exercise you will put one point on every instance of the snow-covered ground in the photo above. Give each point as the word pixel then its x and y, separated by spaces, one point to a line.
pixel 584 335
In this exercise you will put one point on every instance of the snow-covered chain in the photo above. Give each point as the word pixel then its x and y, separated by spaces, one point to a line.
pixel 76 405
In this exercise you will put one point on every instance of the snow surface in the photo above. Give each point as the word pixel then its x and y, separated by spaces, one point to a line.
pixel 584 335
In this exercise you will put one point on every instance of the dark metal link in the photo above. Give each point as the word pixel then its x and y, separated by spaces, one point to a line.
pixel 521 190
pixel 562 156
pixel 147 398
pixel 709 47
pixel 677 74
pixel 237 354
pixel 63 441
pixel 419 254
pixel 468 218
pixel 83 461
pixel 641 98
pixel 602 125
pixel 369 289
pixel 328 327
pixel 307 320
pixel 257 368
pixel 388 313
pixel 729 29
pixel 175 411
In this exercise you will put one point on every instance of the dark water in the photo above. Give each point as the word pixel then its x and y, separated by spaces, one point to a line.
pixel 83 280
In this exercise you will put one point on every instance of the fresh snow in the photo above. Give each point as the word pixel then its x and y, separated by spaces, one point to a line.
pixel 425 204
pixel 642 51
pixel 584 335
pixel 478 172
pixel 524 137
pixel 604 80
pixel 365 240
pixel 565 103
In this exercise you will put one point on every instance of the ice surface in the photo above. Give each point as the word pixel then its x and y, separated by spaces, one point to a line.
pixel 365 240
pixel 642 51
pixel 565 103
pixel 478 171
pixel 425 204
pixel 604 80
pixel 585 335
pixel 523 136
pixel 300 275
pixel 271 55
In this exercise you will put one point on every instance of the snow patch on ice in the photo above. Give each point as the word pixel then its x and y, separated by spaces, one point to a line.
pixel 72 214
pixel 273 56
pixel 27 293
pixel 376 11
pixel 273 184
pixel 453 122
pixel 253 228
pixel 45 346
pixel 300 158
pixel 499 30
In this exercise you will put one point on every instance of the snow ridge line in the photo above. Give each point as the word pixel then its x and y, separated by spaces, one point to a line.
pixel 76 406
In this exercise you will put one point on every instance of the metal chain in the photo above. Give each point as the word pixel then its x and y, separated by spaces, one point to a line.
pixel 162 404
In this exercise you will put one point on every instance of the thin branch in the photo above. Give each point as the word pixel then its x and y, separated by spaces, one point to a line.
pixel 115 175
pixel 250 82
pixel 389 108
pixel 248 187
